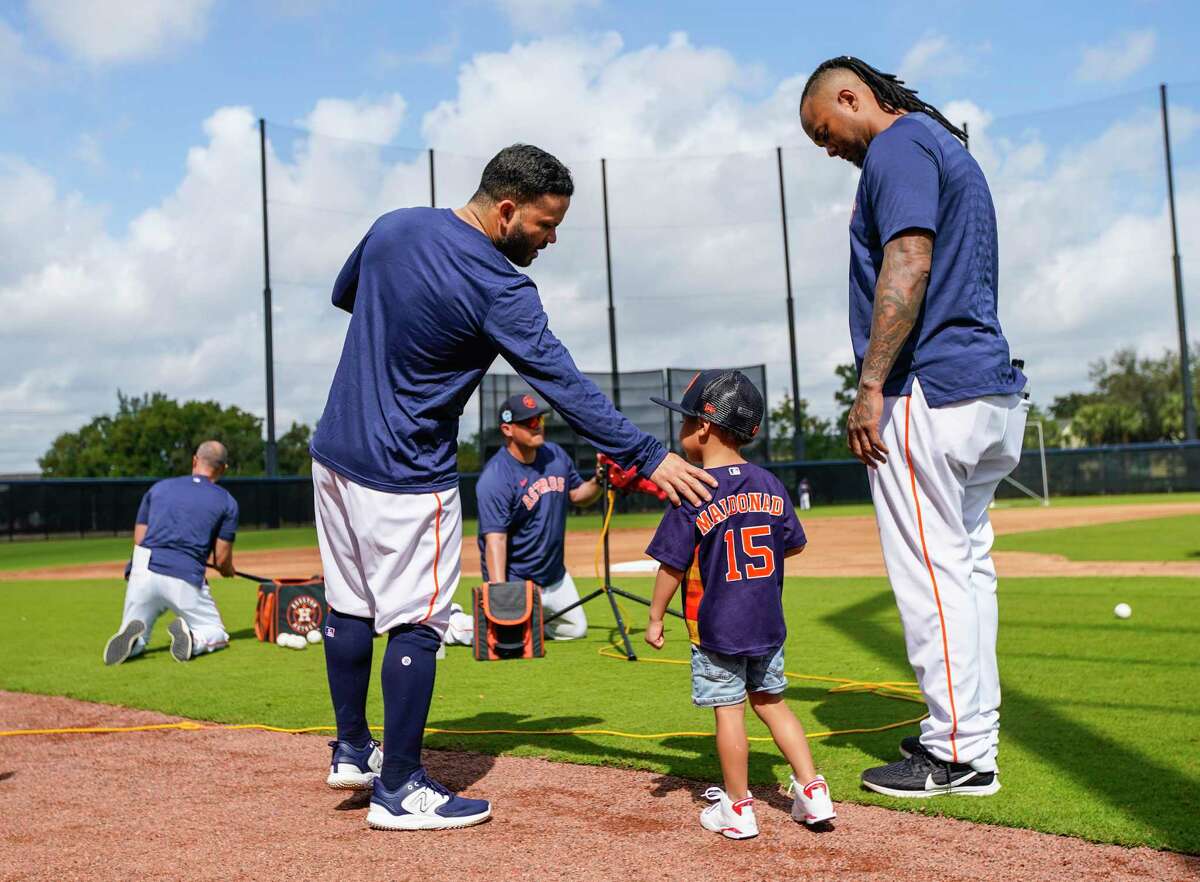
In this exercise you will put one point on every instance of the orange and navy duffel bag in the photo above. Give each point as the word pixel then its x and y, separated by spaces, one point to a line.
pixel 508 621
pixel 290 606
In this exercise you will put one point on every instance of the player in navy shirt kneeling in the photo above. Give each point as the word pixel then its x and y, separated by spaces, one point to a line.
pixel 732 551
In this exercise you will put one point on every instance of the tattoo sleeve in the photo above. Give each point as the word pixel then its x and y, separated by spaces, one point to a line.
pixel 899 293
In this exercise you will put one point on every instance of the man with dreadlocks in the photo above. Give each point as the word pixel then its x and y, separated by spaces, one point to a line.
pixel 940 410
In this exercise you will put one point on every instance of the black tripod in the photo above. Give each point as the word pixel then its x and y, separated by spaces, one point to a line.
pixel 608 589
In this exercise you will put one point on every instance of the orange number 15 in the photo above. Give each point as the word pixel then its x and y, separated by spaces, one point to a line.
pixel 762 561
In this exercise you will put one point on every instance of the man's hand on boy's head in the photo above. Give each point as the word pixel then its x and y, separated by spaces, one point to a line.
pixel 654 634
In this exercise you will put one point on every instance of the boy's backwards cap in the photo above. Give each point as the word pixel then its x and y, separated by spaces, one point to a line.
pixel 723 397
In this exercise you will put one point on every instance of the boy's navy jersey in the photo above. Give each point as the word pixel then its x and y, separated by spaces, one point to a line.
pixel 184 517
pixel 529 503
pixel 919 176
pixel 732 550
pixel 432 303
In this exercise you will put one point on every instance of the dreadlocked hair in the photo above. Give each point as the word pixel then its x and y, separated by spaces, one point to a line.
pixel 889 89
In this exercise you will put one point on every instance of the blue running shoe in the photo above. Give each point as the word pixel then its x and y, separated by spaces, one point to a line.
pixel 354 768
pixel 421 803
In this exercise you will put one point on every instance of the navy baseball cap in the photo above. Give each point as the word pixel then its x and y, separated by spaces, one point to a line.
pixel 723 397
pixel 520 407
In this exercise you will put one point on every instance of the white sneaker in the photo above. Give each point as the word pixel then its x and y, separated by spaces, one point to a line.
pixel 733 820
pixel 811 803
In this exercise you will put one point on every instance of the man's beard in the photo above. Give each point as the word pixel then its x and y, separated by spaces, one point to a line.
pixel 517 247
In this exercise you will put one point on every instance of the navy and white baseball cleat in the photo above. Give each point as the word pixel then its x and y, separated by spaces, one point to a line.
pixel 921 775
pixel 181 640
pixel 421 803
pixel 120 645
pixel 354 768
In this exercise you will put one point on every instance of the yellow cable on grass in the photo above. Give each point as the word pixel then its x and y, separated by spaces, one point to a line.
pixel 897 689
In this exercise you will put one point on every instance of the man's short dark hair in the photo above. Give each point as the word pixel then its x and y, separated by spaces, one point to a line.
pixel 523 173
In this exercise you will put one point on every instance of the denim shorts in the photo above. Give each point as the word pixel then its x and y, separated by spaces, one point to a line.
pixel 725 679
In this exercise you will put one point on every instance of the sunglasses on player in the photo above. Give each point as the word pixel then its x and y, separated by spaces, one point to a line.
pixel 534 422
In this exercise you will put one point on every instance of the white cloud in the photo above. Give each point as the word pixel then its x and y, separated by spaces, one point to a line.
pixel 129 30
pixel 174 301
pixel 1117 59
pixel 542 16
pixel 936 56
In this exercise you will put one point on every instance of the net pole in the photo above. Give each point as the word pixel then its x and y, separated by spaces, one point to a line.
pixel 269 353
pixel 612 312
pixel 1189 403
pixel 432 182
pixel 966 136
pixel 797 430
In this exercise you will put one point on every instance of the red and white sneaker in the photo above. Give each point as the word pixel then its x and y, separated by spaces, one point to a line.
pixel 733 820
pixel 810 802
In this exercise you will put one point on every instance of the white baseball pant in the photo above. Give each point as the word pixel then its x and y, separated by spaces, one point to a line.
pixel 391 557
pixel 931 504
pixel 148 595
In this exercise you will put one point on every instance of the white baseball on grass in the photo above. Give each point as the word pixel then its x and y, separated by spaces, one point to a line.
pixel 314 636
pixel 1122 611
pixel 282 640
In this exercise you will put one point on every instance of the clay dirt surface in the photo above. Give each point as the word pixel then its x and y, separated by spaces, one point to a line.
pixel 837 546
pixel 239 805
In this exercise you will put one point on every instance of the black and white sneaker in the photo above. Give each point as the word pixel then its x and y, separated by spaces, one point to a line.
pixel 910 745
pixel 181 640
pixel 120 645
pixel 921 775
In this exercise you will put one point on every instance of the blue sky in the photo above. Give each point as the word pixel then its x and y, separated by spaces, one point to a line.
pixel 128 177
pixel 134 120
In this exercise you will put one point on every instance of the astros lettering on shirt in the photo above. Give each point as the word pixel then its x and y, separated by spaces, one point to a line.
pixel 529 502
pixel 732 550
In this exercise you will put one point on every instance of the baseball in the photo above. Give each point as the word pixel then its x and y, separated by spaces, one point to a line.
pixel 314 636
pixel 282 640
pixel 1122 611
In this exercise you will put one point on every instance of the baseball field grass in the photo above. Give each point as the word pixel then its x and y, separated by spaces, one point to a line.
pixel 1176 538
pixel 1101 730
pixel 33 553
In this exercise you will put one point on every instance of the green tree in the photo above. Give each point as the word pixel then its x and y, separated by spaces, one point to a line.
pixel 469 456
pixel 1134 399
pixel 155 436
pixel 820 438
pixel 844 397
pixel 291 450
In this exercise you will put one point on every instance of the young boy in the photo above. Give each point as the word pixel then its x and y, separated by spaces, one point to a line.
pixel 733 551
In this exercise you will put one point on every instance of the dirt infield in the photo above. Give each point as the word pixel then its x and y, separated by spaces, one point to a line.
pixel 844 546
pixel 227 805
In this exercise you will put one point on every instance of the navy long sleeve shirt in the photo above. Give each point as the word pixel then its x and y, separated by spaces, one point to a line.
pixel 432 303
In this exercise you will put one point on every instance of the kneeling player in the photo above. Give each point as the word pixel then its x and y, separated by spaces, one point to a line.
pixel 732 550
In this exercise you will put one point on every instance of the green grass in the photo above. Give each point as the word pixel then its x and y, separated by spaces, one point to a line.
pixel 1172 538
pixel 1101 734
pixel 34 553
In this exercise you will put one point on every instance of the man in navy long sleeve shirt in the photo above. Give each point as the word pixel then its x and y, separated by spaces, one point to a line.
pixel 434 298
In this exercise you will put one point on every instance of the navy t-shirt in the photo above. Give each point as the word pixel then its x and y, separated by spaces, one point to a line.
pixel 529 503
pixel 184 517
pixel 432 304
pixel 919 176
pixel 732 550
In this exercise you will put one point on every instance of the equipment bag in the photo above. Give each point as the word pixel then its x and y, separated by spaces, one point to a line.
pixel 289 606
pixel 508 621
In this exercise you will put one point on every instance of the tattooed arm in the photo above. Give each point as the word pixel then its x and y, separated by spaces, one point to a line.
pixel 899 294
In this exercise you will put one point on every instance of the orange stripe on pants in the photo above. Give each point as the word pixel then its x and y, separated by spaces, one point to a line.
pixel 932 578
pixel 437 556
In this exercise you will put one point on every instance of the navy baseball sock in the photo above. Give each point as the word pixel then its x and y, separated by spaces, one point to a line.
pixel 348 642
pixel 409 665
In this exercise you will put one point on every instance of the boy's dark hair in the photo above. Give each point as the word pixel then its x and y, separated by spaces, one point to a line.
pixel 523 173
